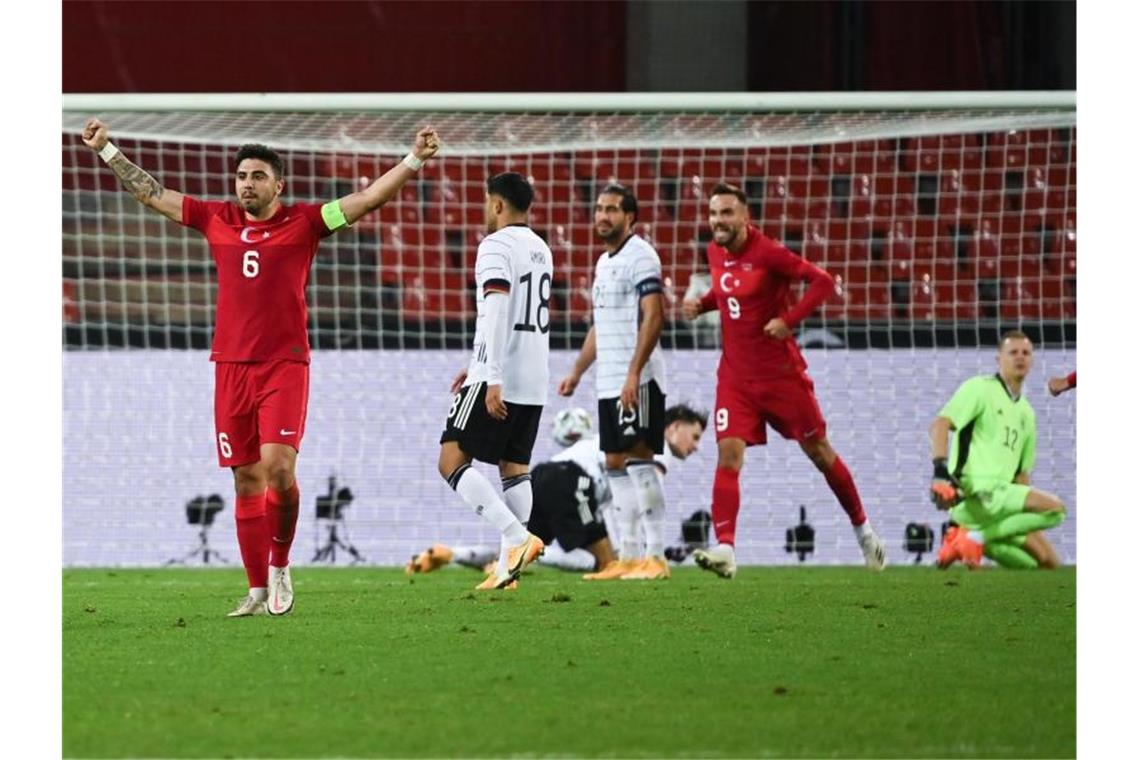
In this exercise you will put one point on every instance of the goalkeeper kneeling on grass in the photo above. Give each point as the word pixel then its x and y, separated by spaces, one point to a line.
pixel 982 478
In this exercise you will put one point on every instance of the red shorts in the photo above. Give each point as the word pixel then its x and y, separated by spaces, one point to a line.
pixel 256 403
pixel 787 404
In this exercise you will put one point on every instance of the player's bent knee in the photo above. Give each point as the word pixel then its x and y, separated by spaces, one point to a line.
pixel 450 459
pixel 1043 502
pixel 616 461
pixel 730 455
pixel 279 473
pixel 734 463
pixel 820 453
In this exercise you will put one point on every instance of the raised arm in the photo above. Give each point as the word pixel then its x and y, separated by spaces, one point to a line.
pixel 145 188
pixel 385 187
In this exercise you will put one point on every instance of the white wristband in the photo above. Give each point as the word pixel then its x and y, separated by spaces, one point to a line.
pixel 109 151
pixel 412 162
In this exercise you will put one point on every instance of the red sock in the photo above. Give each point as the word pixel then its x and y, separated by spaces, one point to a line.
pixel 281 522
pixel 253 538
pixel 843 486
pixel 726 504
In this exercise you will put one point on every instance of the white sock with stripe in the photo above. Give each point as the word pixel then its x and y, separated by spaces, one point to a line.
pixel 478 492
pixel 519 499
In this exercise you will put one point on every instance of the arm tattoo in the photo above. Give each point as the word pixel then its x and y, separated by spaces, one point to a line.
pixel 136 181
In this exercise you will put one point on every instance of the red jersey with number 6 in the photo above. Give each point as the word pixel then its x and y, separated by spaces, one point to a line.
pixel 750 289
pixel 263 270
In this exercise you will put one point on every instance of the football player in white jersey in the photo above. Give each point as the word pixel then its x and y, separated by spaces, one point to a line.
pixel 629 313
pixel 573 507
pixel 499 397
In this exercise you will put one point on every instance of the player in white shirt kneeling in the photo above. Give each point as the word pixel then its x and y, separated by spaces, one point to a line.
pixel 573 513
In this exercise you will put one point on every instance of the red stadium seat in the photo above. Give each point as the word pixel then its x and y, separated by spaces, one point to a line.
pixel 1020 300
pixel 1007 149
pixel 955 300
pixel 581 304
pixel 922 298
pixel 1025 267
pixel 875 157
pixel 1038 145
pixel 417 300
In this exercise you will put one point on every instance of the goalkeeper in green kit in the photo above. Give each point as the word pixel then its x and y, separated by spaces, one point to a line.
pixel 983 476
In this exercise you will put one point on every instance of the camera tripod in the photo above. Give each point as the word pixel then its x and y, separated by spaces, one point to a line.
pixel 202 549
pixel 327 552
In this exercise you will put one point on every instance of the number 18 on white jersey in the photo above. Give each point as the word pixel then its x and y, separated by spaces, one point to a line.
pixel 516 257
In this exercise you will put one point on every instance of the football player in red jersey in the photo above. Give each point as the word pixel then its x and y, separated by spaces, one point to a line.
pixel 263 250
pixel 762 379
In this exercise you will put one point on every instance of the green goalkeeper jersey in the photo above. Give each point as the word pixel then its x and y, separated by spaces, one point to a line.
pixel 995 435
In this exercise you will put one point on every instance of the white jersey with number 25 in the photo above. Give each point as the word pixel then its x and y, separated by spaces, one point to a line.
pixel 517 256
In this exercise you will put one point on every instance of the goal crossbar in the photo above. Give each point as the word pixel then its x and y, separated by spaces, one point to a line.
pixel 475 124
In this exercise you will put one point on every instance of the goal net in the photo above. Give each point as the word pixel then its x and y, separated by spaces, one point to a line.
pixel 945 220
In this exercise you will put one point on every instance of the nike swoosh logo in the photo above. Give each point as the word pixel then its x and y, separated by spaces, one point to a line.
pixel 288 432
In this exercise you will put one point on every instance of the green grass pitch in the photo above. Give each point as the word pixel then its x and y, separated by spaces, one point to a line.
pixel 802 662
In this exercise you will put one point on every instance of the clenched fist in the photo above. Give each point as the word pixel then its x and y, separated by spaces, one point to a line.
pixel 691 308
pixel 427 143
pixel 95 134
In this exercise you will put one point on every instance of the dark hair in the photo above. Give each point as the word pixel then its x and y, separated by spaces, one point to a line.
pixel 262 153
pixel 628 201
pixel 1013 335
pixel 685 413
pixel 513 188
pixel 723 188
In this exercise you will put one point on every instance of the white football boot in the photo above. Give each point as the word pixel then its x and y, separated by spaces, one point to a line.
pixel 280 591
pixel 721 559
pixel 874 552
pixel 248 607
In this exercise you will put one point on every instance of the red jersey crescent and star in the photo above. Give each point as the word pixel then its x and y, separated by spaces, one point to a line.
pixel 263 270
pixel 752 287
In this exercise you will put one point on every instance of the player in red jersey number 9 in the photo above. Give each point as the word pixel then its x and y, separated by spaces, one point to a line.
pixel 762 379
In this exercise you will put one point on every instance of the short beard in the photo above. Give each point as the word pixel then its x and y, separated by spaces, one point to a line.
pixel 732 235
pixel 615 235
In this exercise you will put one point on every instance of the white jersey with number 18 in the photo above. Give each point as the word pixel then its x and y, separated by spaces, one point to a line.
pixel 515 257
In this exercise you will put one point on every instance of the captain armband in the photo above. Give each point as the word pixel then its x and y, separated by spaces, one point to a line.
pixel 649 287
pixel 333 216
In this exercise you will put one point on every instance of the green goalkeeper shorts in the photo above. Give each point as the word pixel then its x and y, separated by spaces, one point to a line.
pixel 982 507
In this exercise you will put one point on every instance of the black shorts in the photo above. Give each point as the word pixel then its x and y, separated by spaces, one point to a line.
pixel 483 437
pixel 565 507
pixel 621 429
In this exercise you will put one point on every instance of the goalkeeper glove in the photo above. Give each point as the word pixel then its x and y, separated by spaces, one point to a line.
pixel 944 489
